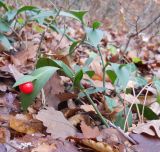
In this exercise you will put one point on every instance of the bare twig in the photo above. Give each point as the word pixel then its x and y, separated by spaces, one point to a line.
pixel 141 30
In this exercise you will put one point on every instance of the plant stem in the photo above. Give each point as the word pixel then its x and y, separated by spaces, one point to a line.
pixel 103 69
pixel 105 121
pixel 96 109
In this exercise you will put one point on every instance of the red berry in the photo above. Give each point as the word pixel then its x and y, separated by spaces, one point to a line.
pixel 26 88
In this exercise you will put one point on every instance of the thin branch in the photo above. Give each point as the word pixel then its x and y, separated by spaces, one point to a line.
pixel 141 30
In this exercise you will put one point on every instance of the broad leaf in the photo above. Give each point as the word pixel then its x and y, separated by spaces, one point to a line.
pixel 27 8
pixel 94 36
pixel 5 42
pixel 77 79
pixel 24 79
pixel 42 75
pixel 55 63
pixel 91 90
pixel 4 25
pixel 120 118
pixel 78 15
pixel 148 113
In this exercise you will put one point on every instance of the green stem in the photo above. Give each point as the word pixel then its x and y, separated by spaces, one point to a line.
pixel 96 109
pixel 103 69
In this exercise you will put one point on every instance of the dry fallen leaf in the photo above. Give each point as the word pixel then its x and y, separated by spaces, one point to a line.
pixel 145 143
pixel 98 146
pixel 151 128
pixel 25 124
pixel 87 108
pixel 56 123
pixel 89 132
pixel 51 89
pixel 44 148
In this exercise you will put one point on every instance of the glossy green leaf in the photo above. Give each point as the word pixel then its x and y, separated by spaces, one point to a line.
pixel 55 63
pixel 24 79
pixel 78 15
pixel 42 75
pixel 27 8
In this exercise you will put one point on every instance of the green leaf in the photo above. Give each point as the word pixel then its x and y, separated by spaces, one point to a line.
pixel 140 81
pixel 124 73
pixel 24 79
pixel 2 4
pixel 55 63
pixel 73 46
pixel 78 15
pixel 156 83
pixel 112 75
pixel 60 31
pixel 110 102
pixel 20 20
pixel 136 60
pixel 42 75
pixel 94 36
pixel 120 119
pixel 148 113
pixel 88 61
pixel 112 49
pixel 77 79
pixel 4 25
pixel 27 8
pixel 91 90
pixel 96 25
pixel 90 73
pixel 11 14
pixel 5 42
